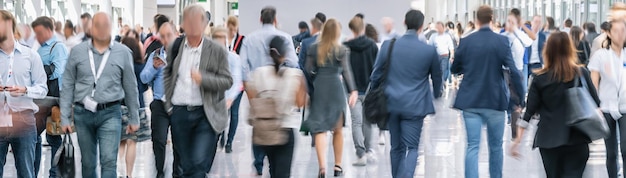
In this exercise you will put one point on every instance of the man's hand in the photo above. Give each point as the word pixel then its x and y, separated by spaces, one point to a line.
pixel 67 129
pixel 131 129
pixel 196 76
pixel 158 63
pixel 16 91
pixel 1 88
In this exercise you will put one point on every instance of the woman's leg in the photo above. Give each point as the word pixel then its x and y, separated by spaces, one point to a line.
pixel 550 158
pixel 338 141
pixel 574 160
pixel 612 151
pixel 320 147
pixel 131 151
pixel 622 138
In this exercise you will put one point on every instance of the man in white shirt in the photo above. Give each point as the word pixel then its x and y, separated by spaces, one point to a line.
pixel 518 41
pixel 445 47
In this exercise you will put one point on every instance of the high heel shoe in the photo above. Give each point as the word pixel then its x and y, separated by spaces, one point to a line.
pixel 322 173
pixel 338 171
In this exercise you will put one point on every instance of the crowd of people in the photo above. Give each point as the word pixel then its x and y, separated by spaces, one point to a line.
pixel 66 78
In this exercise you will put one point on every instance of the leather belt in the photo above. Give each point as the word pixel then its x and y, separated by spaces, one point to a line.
pixel 190 108
pixel 101 106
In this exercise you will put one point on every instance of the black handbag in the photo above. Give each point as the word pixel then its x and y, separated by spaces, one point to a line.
pixel 64 158
pixel 375 101
pixel 583 113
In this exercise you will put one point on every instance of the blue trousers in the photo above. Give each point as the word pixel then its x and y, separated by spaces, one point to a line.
pixel 99 131
pixel 405 132
pixel 474 120
pixel 234 122
pixel 194 139
pixel 445 67
pixel 259 156
pixel 22 138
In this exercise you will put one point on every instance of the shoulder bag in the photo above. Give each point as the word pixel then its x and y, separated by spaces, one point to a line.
pixel 583 113
pixel 375 102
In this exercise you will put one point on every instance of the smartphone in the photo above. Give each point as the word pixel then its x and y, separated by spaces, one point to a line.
pixel 159 58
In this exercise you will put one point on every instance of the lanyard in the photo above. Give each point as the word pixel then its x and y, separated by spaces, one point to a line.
pixel 10 73
pixel 97 75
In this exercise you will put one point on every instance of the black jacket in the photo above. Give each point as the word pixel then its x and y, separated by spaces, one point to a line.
pixel 546 97
pixel 363 53
pixel 584 50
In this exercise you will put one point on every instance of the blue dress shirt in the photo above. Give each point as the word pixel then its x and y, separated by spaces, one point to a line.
pixel 57 56
pixel 154 76
pixel 27 71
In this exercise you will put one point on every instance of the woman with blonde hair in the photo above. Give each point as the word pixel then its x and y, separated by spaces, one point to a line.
pixel 327 60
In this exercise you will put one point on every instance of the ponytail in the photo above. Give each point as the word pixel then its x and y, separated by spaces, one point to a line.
pixel 276 57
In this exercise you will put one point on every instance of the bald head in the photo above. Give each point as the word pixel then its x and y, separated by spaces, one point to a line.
pixel 101 27
pixel 388 24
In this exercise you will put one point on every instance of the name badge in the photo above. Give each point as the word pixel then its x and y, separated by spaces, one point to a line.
pixel 90 104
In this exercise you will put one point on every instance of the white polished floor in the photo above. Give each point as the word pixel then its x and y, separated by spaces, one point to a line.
pixel 442 154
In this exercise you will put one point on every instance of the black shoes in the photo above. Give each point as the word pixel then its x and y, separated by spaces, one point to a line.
pixel 229 148
pixel 338 171
pixel 322 173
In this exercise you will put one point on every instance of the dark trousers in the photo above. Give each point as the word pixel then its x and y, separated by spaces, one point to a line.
pixel 259 155
pixel 405 132
pixel 194 139
pixel 45 110
pixel 533 67
pixel 280 157
pixel 611 144
pixel 160 125
pixel 234 121
pixel 565 161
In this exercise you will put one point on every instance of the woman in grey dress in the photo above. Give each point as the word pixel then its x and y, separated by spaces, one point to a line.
pixel 327 60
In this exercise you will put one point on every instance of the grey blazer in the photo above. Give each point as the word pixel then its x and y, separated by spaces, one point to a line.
pixel 216 79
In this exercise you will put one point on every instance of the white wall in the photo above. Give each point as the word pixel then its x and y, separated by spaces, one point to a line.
pixel 290 12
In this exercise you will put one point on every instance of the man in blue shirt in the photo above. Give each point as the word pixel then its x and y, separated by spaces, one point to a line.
pixel 53 56
pixel 22 79
pixel 152 74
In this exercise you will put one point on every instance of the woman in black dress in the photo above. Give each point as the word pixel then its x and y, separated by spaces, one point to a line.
pixel 327 60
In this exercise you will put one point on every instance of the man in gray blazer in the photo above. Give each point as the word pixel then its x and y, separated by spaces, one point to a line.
pixel 195 81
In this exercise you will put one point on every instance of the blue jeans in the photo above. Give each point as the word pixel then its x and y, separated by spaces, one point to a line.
pixel 259 156
pixel 234 122
pixel 405 132
pixel 22 137
pixel 194 139
pixel 474 120
pixel 99 131
pixel 445 67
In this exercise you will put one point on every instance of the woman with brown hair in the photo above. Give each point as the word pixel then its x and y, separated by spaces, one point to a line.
pixel 582 47
pixel 564 150
pixel 327 61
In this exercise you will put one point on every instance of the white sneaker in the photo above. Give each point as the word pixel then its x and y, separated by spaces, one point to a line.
pixel 361 161
pixel 381 141
pixel 371 157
